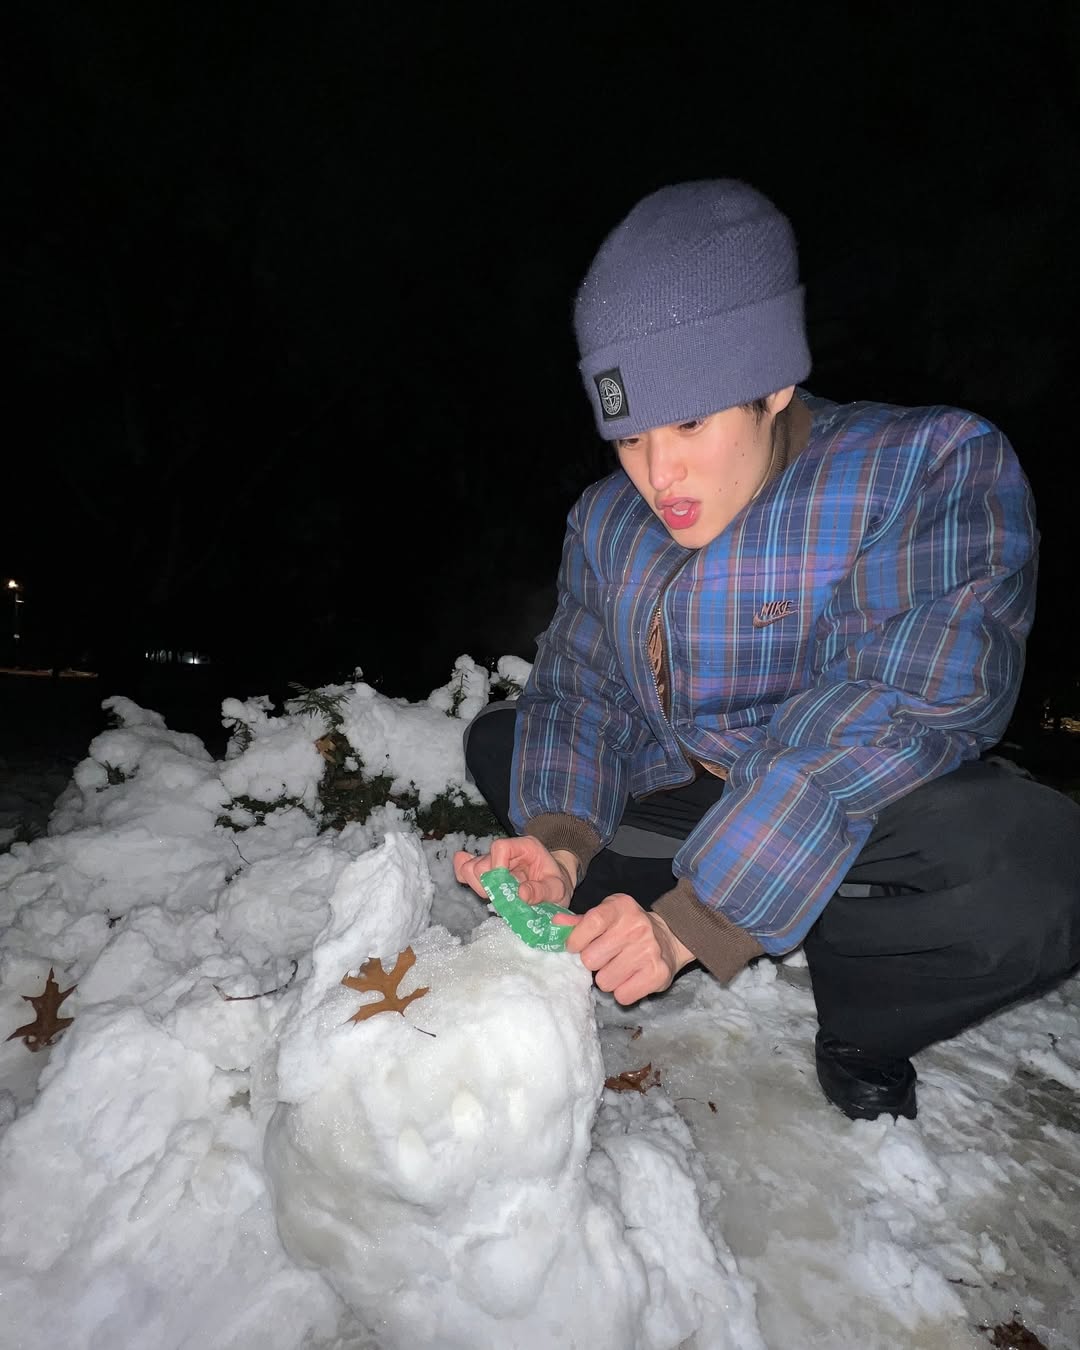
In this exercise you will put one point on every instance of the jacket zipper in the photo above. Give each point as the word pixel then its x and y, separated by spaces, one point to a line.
pixel 657 616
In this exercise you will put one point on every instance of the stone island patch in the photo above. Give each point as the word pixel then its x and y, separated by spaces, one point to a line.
pixel 609 385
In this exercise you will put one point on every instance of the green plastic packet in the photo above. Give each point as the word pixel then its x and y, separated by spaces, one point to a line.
pixel 532 923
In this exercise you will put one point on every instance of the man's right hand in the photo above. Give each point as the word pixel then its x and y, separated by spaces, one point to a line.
pixel 541 875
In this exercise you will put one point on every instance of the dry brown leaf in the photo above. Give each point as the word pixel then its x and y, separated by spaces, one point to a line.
pixel 1014 1336
pixel 334 748
pixel 634 1080
pixel 373 977
pixel 46 1026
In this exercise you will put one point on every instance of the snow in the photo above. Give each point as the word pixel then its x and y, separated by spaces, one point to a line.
pixel 214 1154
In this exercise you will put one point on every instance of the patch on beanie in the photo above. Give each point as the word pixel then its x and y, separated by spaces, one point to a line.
pixel 609 385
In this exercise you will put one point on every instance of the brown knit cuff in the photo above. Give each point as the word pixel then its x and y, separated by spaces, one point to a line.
pixel 562 831
pixel 721 946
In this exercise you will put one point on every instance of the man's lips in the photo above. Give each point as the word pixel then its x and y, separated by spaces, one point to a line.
pixel 679 513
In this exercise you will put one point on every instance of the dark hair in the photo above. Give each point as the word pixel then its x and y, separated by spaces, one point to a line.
pixel 758 406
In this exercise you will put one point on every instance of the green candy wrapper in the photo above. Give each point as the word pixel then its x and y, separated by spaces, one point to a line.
pixel 532 923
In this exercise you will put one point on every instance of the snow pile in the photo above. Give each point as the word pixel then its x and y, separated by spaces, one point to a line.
pixel 213 1153
pixel 442 1155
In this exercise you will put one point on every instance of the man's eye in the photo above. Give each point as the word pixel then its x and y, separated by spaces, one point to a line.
pixel 627 442
pixel 692 425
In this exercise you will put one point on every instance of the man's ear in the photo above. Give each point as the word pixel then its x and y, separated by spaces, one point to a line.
pixel 776 403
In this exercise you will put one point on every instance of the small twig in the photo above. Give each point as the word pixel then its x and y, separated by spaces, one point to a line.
pixel 710 1105
pixel 242 998
pixel 242 859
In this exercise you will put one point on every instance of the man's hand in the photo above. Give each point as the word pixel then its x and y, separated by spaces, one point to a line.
pixel 631 951
pixel 540 875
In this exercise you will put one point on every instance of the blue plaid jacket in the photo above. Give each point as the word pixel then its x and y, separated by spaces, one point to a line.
pixel 856 631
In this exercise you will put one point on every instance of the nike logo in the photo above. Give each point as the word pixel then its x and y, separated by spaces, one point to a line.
pixel 773 610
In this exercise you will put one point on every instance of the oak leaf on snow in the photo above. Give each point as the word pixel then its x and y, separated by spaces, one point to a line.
pixel 373 977
pixel 47 1025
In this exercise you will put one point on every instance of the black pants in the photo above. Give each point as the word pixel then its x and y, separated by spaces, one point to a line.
pixel 966 896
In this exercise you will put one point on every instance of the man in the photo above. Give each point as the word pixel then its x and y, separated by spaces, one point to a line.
pixel 787 630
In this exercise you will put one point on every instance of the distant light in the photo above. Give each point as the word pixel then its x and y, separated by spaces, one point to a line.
pixel 193 660
pixel 13 585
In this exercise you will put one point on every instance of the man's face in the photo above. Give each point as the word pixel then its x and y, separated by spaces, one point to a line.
pixel 697 476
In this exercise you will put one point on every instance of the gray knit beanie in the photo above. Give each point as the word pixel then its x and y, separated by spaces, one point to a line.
pixel 692 304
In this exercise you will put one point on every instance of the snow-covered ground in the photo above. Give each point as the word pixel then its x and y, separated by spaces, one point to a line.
pixel 213 1154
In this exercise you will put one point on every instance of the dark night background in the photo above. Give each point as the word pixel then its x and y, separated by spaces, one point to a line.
pixel 287 287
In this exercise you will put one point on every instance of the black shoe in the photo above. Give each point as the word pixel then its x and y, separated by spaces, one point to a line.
pixel 864 1086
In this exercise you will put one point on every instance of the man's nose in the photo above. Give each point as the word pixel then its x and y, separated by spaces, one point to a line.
pixel 665 463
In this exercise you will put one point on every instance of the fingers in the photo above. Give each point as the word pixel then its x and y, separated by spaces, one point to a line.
pixel 619 944
pixel 601 925
pixel 617 940
pixel 505 853
pixel 540 876
pixel 641 983
pixel 551 888
pixel 468 869
pixel 461 864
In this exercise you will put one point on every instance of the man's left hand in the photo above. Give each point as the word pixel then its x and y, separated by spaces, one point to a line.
pixel 632 952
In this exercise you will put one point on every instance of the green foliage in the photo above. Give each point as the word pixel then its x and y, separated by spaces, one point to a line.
pixel 329 706
pixel 242 735
pixel 452 811
pixel 349 792
pixel 349 797
pixel 259 809
pixel 505 687
pixel 457 697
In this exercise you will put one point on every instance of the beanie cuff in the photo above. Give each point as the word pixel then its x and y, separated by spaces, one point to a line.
pixel 694 369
